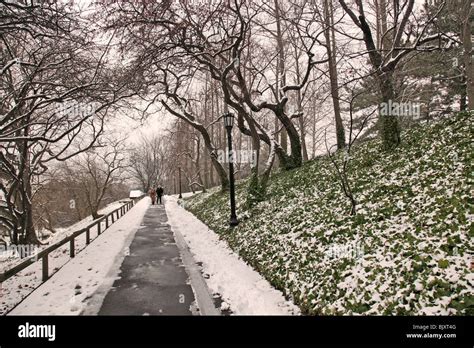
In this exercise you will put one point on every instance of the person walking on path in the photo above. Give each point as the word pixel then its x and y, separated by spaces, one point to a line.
pixel 152 194
pixel 159 192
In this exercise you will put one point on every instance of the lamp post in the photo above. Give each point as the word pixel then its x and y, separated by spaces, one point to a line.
pixel 179 179
pixel 228 123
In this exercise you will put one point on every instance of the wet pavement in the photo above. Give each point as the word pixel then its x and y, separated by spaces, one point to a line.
pixel 153 279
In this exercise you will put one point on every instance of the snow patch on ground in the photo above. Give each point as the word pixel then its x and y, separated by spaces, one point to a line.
pixel 16 288
pixel 61 233
pixel 241 287
pixel 68 291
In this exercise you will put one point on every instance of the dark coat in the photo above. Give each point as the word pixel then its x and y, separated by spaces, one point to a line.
pixel 159 191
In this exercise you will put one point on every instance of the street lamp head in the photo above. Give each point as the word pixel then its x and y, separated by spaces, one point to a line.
pixel 228 119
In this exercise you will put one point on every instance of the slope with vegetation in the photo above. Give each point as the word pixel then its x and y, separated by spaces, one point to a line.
pixel 406 250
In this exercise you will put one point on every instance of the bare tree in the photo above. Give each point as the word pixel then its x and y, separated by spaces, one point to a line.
pixel 181 107
pixel 341 160
pixel 169 42
pixel 399 40
pixel 147 161
pixel 192 151
pixel 95 171
pixel 56 87
pixel 329 34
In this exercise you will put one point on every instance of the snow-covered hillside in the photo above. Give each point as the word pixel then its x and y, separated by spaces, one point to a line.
pixel 406 251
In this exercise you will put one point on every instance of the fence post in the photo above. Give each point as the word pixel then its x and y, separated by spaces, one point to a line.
pixel 112 215
pixel 106 221
pixel 98 227
pixel 45 268
pixel 88 236
pixel 72 249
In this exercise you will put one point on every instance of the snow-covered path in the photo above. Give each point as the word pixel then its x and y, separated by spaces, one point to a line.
pixel 91 272
pixel 154 277
pixel 241 287
pixel 81 286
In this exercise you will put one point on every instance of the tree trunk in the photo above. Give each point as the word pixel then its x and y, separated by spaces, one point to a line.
pixel 29 233
pixel 303 136
pixel 378 28
pixel 313 138
pixel 467 54
pixel 254 191
pixel 389 127
pixel 388 124
pixel 296 159
pixel 330 44
pixel 281 76
pixel 385 40
pixel 94 213
pixel 206 122
pixel 463 100
pixel 300 107
pixel 217 165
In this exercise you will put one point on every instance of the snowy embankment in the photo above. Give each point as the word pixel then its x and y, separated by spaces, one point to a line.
pixel 406 251
pixel 226 274
pixel 61 233
pixel 93 270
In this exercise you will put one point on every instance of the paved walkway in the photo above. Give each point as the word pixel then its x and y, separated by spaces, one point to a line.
pixel 153 279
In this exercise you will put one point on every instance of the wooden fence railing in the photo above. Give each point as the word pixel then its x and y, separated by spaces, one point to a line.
pixel 109 218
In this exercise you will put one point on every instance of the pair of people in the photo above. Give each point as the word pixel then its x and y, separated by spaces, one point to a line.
pixel 156 193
